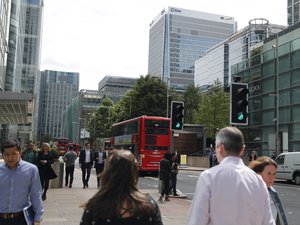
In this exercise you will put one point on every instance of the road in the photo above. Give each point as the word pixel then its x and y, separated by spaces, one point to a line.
pixel 289 193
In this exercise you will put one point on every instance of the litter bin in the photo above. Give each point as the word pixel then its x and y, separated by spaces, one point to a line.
pixel 58 168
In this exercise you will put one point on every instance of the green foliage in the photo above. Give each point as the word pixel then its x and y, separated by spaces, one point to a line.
pixel 191 98
pixel 213 112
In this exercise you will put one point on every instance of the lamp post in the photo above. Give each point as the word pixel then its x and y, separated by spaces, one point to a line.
pixel 276 119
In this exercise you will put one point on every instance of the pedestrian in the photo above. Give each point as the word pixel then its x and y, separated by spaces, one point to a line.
pixel 164 173
pixel 253 156
pixel 99 157
pixel 69 158
pixel 230 193
pixel 20 186
pixel 86 160
pixel 210 157
pixel 174 172
pixel 266 167
pixel 119 201
pixel 44 162
pixel 30 153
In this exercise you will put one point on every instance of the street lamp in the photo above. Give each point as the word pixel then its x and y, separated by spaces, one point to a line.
pixel 276 119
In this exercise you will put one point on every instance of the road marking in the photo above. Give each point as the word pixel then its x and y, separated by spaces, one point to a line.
pixel 192 176
pixel 152 178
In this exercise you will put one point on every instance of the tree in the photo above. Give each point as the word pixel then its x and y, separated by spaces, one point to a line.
pixel 100 123
pixel 148 97
pixel 191 98
pixel 213 112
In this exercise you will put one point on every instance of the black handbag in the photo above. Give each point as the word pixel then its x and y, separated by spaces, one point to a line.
pixel 52 174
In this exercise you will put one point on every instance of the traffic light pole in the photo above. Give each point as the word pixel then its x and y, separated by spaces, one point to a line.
pixel 277 97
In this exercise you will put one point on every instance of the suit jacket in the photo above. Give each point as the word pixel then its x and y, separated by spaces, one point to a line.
pixel 96 158
pixel 82 157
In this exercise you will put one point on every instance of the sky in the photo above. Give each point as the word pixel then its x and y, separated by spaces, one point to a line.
pixel 110 37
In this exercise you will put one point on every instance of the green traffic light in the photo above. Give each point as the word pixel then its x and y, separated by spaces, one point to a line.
pixel 177 125
pixel 240 116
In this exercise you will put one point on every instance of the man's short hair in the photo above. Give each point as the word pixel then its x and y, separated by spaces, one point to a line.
pixel 10 143
pixel 232 139
pixel 71 147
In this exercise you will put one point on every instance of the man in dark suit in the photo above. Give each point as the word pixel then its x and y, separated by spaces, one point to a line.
pixel 86 159
pixel 99 157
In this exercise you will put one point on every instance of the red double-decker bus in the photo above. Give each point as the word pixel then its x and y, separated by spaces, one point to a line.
pixel 147 137
pixel 62 145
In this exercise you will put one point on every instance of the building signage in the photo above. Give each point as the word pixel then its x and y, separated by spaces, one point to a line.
pixel 175 10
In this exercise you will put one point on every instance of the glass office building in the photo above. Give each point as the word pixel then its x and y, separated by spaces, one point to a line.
pixel 4 7
pixel 57 90
pixel 178 37
pixel 273 75
pixel 293 12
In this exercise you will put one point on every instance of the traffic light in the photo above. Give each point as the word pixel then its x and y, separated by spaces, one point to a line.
pixel 177 114
pixel 239 104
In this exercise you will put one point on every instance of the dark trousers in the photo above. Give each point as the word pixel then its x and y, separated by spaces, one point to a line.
pixel 166 187
pixel 86 172
pixel 99 169
pixel 173 182
pixel 44 183
pixel 20 220
pixel 69 173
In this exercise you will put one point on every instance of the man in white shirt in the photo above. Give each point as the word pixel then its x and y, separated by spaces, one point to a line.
pixel 86 160
pixel 230 193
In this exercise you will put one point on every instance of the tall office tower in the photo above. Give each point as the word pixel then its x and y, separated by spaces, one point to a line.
pixel 4 12
pixel 293 7
pixel 178 37
pixel 56 93
pixel 23 58
pixel 218 61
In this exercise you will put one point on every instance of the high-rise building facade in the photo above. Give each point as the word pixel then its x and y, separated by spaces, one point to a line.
pixel 23 58
pixel 115 87
pixel 56 93
pixel 4 12
pixel 293 7
pixel 178 37
pixel 217 62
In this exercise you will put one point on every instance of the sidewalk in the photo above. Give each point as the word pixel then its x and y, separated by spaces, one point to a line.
pixel 62 204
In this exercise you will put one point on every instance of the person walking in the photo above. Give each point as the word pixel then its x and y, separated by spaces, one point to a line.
pixel 69 158
pixel 119 201
pixel 44 162
pixel 20 186
pixel 29 154
pixel 86 160
pixel 266 168
pixel 99 157
pixel 230 193
pixel 164 173
pixel 174 172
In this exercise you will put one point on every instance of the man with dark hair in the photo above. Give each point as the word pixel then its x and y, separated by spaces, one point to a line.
pixel 30 154
pixel 164 173
pixel 20 187
pixel 230 193
pixel 86 159
pixel 69 158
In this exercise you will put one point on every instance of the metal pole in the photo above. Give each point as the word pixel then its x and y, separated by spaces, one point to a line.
pixel 277 97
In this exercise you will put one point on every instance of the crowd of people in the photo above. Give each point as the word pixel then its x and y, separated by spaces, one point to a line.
pixel 24 179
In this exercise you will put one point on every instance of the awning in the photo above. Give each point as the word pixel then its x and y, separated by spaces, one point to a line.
pixel 15 107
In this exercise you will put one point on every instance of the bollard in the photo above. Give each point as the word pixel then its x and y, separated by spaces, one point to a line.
pixel 58 168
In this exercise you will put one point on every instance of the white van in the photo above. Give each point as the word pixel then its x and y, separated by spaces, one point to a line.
pixel 288 166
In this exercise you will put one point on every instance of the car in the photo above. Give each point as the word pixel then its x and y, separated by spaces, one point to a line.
pixel 288 166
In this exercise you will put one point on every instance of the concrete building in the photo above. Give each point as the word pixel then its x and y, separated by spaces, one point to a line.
pixel 23 58
pixel 273 76
pixel 217 62
pixel 57 90
pixel 115 87
pixel 293 7
pixel 178 37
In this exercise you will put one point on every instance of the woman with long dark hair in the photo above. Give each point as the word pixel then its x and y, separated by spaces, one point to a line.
pixel 119 201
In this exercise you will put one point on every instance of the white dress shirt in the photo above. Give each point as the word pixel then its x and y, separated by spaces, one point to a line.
pixel 230 194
